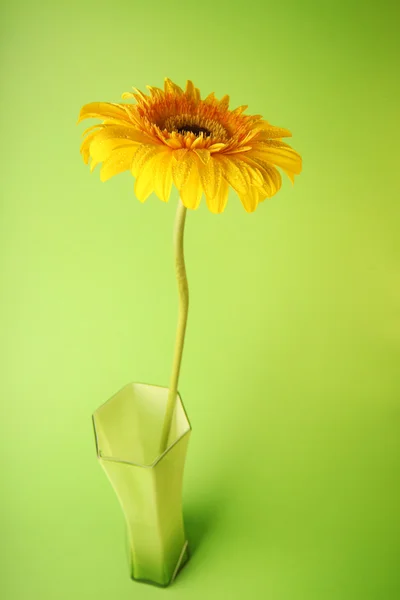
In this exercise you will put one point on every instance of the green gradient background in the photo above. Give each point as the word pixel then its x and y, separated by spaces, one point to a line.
pixel 290 371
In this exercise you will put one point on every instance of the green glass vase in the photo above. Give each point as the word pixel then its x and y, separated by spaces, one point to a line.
pixel 147 482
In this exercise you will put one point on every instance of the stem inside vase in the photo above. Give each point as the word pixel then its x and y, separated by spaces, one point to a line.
pixel 183 291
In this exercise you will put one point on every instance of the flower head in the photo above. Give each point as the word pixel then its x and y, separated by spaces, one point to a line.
pixel 173 136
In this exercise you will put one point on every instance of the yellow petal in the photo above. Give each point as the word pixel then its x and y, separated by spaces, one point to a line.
pixel 203 154
pixel 286 158
pixel 271 176
pixel 252 172
pixel 237 150
pixel 102 142
pixel 133 115
pixel 143 187
pixel 234 172
pixel 99 126
pixel 174 143
pixel 191 192
pixel 144 153
pixel 240 173
pixel 127 95
pixel 171 88
pixel 163 176
pixel 119 160
pixel 273 180
pixel 123 132
pixel 262 145
pixel 144 184
pixel 198 142
pixel 100 149
pixel 155 92
pixel 250 199
pixel 86 145
pixel 217 204
pixel 93 164
pixel 103 110
pixel 141 98
pixel 182 166
pixel 289 174
pixel 211 176
pixel 180 153
pixel 268 132
pixel 216 147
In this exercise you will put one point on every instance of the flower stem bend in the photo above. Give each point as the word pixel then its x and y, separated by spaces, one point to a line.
pixel 183 290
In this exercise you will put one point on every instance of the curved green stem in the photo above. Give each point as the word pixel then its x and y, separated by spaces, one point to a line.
pixel 182 319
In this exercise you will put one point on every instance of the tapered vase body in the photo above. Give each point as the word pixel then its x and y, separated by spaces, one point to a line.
pixel 147 482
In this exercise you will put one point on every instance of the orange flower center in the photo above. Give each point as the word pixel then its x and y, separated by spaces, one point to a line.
pixel 199 125
pixel 194 129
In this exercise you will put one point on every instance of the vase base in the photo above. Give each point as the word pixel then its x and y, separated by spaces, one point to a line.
pixel 183 559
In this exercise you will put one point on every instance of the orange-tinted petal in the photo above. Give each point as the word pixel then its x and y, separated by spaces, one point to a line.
pixel 191 91
pixel 211 99
pixel 224 103
pixel 240 109
pixel 171 88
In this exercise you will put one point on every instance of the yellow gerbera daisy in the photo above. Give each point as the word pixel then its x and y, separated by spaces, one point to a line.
pixel 173 136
